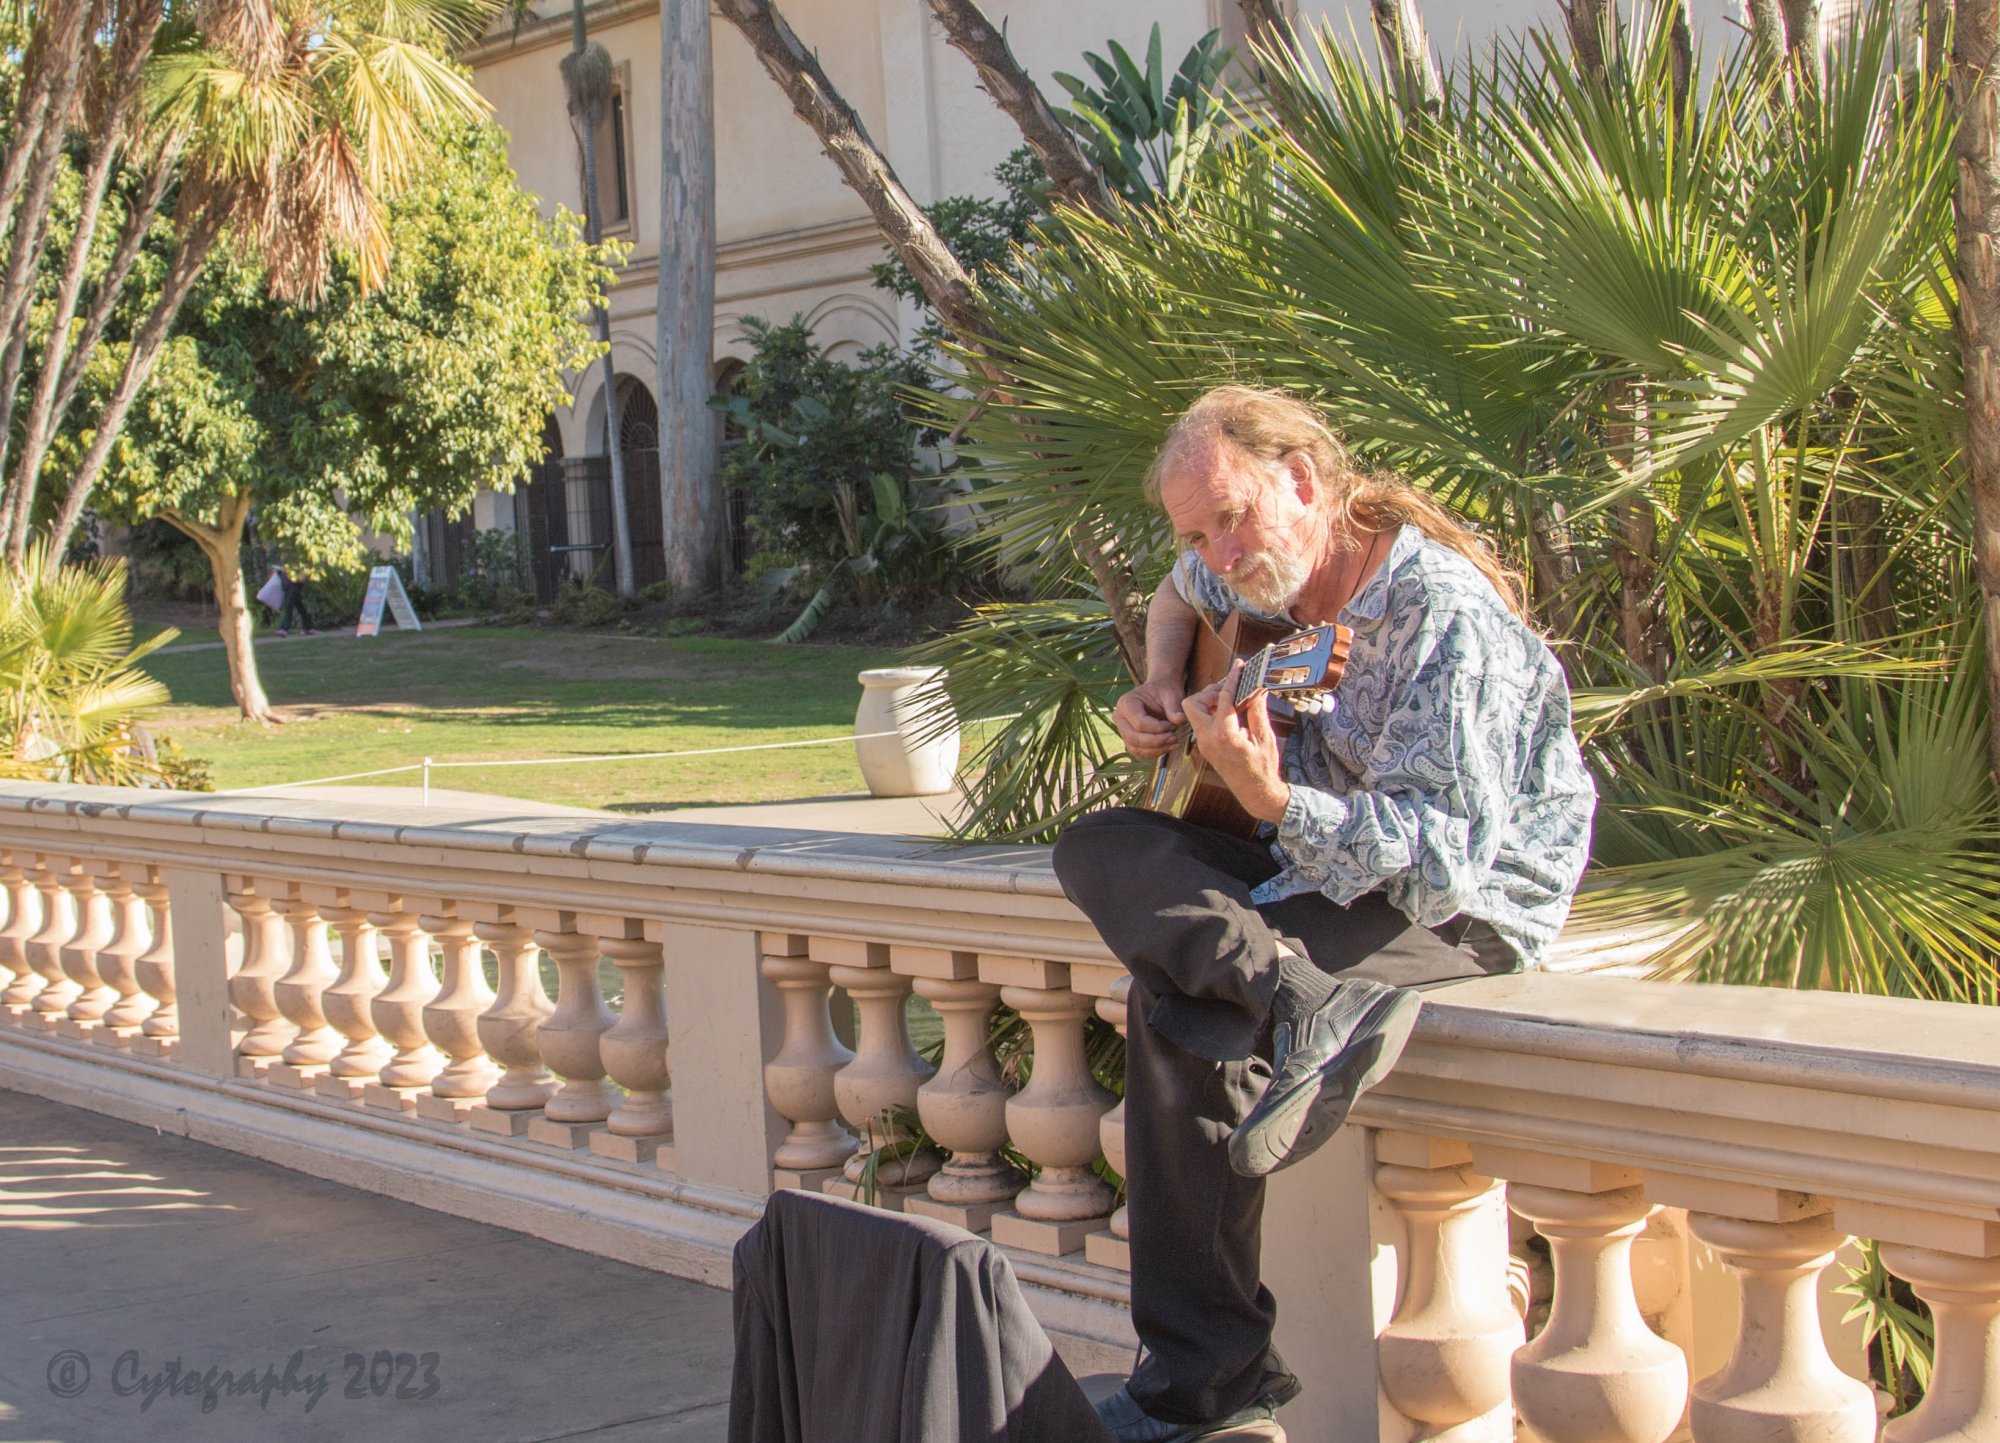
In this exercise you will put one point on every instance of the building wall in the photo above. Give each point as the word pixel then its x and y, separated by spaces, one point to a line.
pixel 792 239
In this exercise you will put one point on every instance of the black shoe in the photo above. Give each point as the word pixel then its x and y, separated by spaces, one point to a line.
pixel 1319 1066
pixel 1129 1423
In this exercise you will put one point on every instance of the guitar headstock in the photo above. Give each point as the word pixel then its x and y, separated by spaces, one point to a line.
pixel 1302 668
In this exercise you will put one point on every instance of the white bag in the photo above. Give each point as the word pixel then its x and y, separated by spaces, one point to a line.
pixel 272 592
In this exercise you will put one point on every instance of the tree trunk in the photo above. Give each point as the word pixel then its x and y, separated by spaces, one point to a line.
pixel 1976 90
pixel 1767 31
pixel 1072 176
pixel 1636 547
pixel 1589 23
pixel 134 43
pixel 586 109
pixel 909 232
pixel 223 546
pixel 1265 23
pixel 1406 54
pixel 866 170
pixel 691 506
pixel 197 241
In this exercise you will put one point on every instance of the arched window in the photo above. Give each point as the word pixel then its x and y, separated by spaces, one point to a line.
pixel 638 416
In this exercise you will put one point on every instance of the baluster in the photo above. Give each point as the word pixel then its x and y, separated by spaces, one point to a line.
pixel 451 1020
pixel 398 1013
pixel 964 1105
pixel 1596 1373
pixel 881 1080
pixel 1112 1247
pixel 23 919
pixel 1445 1356
pixel 160 1034
pixel 508 1029
pixel 118 960
pixel 1963 1404
pixel 1054 1122
pixel 349 1004
pixel 300 996
pixel 635 1056
pixel 59 922
pixel 799 1080
pixel 570 1042
pixel 1779 1385
pixel 252 989
pixel 85 1013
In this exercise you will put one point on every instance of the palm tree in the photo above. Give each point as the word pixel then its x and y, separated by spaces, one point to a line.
pixel 587 80
pixel 284 124
pixel 1682 346
pixel 71 690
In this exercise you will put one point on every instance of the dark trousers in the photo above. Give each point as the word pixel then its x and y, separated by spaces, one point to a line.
pixel 1172 901
pixel 295 602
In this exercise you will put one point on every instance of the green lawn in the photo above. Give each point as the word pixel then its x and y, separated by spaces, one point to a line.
pixel 486 693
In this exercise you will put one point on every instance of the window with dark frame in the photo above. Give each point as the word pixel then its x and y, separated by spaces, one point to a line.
pixel 614 204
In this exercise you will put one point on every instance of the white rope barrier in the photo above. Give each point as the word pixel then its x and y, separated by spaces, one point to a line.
pixel 427 766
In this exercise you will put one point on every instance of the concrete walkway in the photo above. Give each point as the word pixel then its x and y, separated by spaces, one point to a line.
pixel 130 1262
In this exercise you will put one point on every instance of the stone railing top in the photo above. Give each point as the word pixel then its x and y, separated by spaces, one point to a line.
pixel 845 856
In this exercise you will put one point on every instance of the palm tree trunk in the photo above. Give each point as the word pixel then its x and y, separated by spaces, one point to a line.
pixel 1589 23
pixel 586 108
pixel 223 546
pixel 866 170
pixel 197 242
pixel 1976 89
pixel 1072 176
pixel 51 56
pixel 691 505
pixel 1406 54
pixel 950 290
pixel 1636 547
pixel 133 45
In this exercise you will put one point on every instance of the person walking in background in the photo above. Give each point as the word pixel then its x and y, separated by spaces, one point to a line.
pixel 294 600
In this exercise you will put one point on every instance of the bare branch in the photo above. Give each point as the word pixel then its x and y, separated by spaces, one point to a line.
pixel 862 165
pixel 1071 174
pixel 1406 53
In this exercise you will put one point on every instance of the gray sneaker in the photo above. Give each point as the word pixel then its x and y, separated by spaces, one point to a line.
pixel 1319 1065
pixel 1129 1423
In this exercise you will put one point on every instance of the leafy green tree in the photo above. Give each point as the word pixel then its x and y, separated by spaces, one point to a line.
pixel 366 406
pixel 828 471
pixel 281 125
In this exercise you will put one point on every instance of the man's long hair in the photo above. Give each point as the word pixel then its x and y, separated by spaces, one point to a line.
pixel 1268 426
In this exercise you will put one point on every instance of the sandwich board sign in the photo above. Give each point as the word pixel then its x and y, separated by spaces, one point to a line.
pixel 384 585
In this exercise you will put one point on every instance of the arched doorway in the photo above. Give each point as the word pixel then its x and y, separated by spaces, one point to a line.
pixel 639 444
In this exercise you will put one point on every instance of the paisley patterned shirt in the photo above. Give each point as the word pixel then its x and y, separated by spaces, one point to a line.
pixel 1446 776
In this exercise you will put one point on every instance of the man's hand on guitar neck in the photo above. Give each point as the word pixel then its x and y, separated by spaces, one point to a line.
pixel 1240 746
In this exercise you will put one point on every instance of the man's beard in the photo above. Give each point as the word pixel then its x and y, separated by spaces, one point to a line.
pixel 1270 580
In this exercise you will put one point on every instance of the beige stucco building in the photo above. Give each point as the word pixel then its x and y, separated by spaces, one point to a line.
pixel 791 238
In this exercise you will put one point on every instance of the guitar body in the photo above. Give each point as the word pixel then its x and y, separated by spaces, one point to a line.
pixel 1184 785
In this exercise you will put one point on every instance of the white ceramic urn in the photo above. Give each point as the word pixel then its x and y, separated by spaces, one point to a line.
pixel 899 764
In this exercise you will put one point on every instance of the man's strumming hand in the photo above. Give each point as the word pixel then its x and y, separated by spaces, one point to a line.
pixel 1241 747
pixel 1148 717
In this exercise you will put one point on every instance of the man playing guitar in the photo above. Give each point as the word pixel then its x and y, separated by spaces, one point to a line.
pixel 1430 826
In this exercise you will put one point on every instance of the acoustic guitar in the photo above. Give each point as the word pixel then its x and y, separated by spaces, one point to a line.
pixel 1287 671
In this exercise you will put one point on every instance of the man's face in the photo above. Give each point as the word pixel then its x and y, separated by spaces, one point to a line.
pixel 1251 529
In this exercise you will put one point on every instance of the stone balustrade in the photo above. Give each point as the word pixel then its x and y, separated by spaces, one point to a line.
pixel 623 1035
